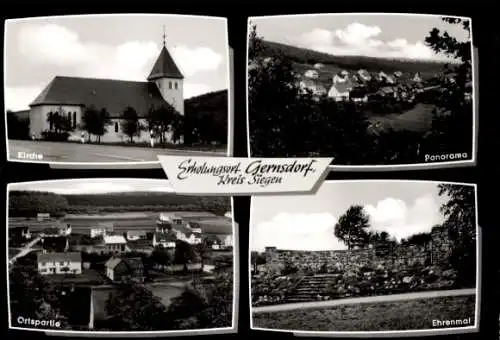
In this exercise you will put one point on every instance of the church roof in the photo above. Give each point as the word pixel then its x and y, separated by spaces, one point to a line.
pixel 165 67
pixel 114 95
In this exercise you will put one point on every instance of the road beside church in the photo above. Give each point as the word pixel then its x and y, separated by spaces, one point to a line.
pixel 86 153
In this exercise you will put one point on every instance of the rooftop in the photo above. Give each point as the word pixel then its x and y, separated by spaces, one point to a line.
pixel 54 257
pixel 113 95
pixel 130 262
pixel 165 67
pixel 114 239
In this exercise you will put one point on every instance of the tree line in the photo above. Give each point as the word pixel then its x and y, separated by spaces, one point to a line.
pixel 96 122
pixel 30 203
pixel 286 122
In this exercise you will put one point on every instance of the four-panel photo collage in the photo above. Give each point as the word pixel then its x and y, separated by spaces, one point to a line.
pixel 123 170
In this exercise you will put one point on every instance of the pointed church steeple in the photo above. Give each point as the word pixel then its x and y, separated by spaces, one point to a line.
pixel 168 78
pixel 165 66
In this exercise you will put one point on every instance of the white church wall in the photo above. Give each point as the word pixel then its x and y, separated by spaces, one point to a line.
pixel 39 116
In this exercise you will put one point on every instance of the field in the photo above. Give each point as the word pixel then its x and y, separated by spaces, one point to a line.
pixel 165 293
pixel 401 315
pixel 417 119
pixel 143 221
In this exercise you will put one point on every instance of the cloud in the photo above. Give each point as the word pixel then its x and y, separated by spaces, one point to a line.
pixel 54 45
pixel 193 90
pixel 195 60
pixel 164 188
pixel 400 220
pixel 362 40
pixel 357 34
pixel 298 232
pixel 18 98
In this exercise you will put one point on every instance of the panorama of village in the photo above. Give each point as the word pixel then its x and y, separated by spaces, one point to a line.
pixel 362 86
pixel 126 271
pixel 353 88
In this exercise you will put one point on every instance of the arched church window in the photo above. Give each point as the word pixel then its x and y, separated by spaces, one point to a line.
pixel 176 87
pixel 169 85
pixel 69 118
pixel 74 120
pixel 116 127
pixel 51 121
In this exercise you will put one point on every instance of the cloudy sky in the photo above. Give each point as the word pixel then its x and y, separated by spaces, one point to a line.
pixel 95 186
pixel 307 222
pixel 117 47
pixel 388 36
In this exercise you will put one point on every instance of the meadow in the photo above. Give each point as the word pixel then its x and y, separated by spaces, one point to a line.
pixel 401 315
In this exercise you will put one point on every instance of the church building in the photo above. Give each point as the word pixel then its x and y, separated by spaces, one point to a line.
pixel 69 96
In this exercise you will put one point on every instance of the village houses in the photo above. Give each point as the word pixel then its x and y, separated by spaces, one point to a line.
pixel 125 269
pixel 59 263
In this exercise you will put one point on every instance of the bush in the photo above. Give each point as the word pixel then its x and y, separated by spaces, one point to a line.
pixel 17 128
pixel 52 136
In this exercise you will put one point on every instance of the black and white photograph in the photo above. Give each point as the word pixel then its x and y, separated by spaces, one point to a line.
pixel 119 256
pixel 121 88
pixel 362 257
pixel 369 90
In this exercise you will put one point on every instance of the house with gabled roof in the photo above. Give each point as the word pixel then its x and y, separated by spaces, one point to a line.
pixel 141 246
pixel 417 78
pixel 312 74
pixel 164 239
pixel 340 78
pixel 126 269
pixel 102 229
pixel 397 74
pixel 115 243
pixel 364 75
pixel 339 91
pixel 187 235
pixel 213 242
pixel 316 88
pixel 134 235
pixel 59 263
pixel 69 97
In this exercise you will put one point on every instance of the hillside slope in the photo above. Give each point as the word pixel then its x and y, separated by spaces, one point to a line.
pixel 310 57
pixel 208 114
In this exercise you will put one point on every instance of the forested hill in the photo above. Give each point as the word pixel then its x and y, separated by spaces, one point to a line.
pixel 208 114
pixel 210 99
pixel 307 56
pixel 212 103
pixel 28 204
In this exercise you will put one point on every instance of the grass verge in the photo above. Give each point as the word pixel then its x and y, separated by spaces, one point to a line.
pixel 399 315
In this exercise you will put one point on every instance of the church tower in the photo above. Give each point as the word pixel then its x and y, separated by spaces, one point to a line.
pixel 169 79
